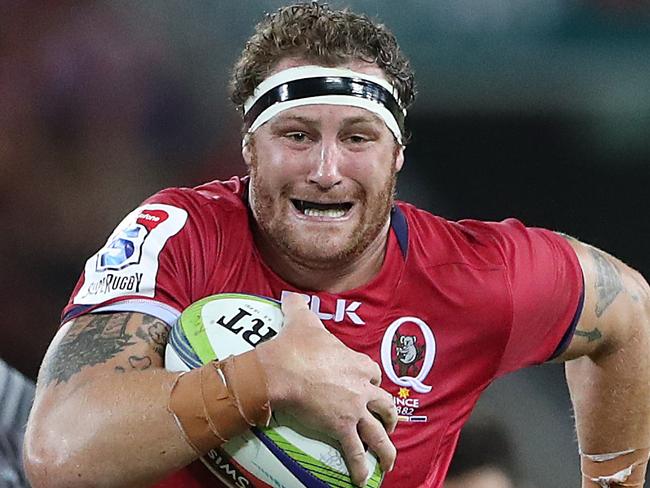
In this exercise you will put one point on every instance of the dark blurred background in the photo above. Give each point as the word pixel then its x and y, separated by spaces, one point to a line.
pixel 538 109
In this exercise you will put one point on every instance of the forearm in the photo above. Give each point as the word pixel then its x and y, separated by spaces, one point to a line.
pixel 611 397
pixel 111 430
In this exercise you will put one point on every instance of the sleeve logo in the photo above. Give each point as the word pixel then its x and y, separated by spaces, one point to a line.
pixel 125 248
pixel 128 263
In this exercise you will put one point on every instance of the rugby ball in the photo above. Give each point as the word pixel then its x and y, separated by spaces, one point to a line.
pixel 283 455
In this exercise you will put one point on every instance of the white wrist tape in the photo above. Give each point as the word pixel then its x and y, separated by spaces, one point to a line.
pixel 616 469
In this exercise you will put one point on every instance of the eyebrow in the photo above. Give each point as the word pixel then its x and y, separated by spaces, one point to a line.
pixel 360 119
pixel 366 119
pixel 284 118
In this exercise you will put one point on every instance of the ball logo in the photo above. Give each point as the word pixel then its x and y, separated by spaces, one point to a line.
pixel 407 357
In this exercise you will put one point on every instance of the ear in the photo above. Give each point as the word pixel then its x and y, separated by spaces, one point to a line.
pixel 399 157
pixel 247 149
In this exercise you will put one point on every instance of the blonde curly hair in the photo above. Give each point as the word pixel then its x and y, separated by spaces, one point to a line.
pixel 325 37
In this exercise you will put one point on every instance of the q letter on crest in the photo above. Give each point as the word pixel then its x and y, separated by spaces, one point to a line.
pixel 408 354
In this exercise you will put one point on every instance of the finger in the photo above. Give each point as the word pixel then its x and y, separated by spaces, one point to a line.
pixel 383 407
pixel 375 374
pixel 296 310
pixel 372 432
pixel 355 457
pixel 293 302
pixel 368 368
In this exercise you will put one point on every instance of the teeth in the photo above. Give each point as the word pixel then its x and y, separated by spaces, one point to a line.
pixel 331 212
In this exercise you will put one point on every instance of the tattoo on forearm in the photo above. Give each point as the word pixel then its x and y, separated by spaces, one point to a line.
pixel 139 363
pixel 91 340
pixel 154 332
pixel 95 339
pixel 590 335
pixel 608 281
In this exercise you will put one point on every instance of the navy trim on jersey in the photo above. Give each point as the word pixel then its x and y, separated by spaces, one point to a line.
pixel 156 309
pixel 75 312
pixel 169 315
pixel 568 335
pixel 400 226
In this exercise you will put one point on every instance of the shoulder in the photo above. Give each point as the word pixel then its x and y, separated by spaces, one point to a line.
pixel 228 194
pixel 474 242
pixel 219 203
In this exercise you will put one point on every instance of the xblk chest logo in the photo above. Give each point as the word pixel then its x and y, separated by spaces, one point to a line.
pixel 342 309
pixel 407 353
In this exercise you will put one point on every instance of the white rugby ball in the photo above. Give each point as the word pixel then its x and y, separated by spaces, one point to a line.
pixel 283 455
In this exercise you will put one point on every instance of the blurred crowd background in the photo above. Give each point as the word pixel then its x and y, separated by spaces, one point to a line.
pixel 538 109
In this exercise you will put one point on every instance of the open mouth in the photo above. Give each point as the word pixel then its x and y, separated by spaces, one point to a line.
pixel 314 209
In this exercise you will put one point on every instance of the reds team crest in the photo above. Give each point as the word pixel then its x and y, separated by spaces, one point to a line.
pixel 407 353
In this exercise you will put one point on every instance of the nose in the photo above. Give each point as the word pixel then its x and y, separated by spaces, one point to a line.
pixel 326 169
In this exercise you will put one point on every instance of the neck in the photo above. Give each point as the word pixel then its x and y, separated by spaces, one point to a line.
pixel 335 278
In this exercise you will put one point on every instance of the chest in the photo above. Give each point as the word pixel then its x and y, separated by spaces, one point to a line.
pixel 437 334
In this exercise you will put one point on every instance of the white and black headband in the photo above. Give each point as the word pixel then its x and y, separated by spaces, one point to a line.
pixel 306 85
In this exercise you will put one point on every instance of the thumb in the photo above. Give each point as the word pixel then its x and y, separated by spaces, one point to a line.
pixel 296 310
pixel 293 302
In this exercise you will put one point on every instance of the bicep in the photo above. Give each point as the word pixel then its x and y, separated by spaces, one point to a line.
pixel 113 343
pixel 614 293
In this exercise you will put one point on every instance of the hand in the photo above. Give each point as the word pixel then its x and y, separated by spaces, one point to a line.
pixel 329 387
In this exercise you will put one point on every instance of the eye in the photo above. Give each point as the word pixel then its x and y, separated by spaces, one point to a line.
pixel 297 136
pixel 357 139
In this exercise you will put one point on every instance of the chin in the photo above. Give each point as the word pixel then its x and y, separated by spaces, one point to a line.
pixel 321 253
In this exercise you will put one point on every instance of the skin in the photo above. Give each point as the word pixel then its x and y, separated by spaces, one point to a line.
pixel 608 366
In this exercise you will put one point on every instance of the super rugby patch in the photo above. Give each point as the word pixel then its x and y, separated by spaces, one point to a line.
pixel 128 262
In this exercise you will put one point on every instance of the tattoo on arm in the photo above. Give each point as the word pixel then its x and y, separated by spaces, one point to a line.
pixel 590 335
pixel 96 339
pixel 154 332
pixel 608 281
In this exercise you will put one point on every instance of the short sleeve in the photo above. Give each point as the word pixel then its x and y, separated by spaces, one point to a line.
pixel 139 268
pixel 546 291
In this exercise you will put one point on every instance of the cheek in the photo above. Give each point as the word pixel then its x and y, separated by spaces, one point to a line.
pixel 374 178
pixel 277 164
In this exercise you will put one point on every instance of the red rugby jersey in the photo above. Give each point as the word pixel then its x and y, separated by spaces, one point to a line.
pixel 455 304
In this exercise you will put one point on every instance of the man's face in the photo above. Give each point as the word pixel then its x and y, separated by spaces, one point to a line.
pixel 322 179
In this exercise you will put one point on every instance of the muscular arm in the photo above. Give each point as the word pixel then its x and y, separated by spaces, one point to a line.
pixel 608 368
pixel 100 417
pixel 100 414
